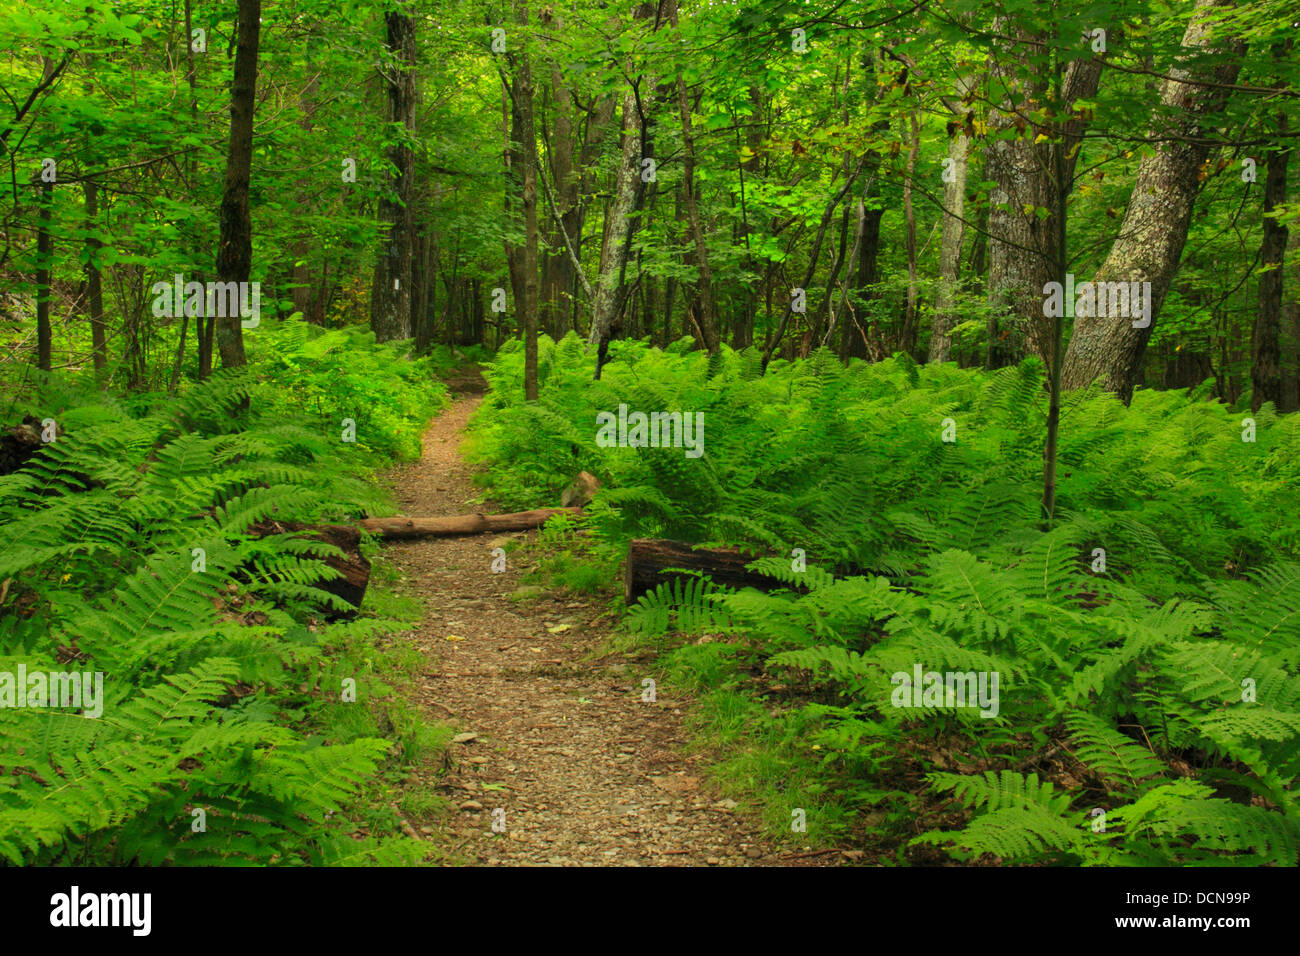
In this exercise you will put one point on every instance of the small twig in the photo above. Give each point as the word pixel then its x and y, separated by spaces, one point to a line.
pixel 804 856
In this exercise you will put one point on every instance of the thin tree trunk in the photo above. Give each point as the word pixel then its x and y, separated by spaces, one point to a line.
pixel 512 168
pixel 528 150
pixel 1061 183
pixel 306 300
pixel 558 266
pixel 44 264
pixel 235 246
pixel 775 340
pixel 1266 350
pixel 707 317
pixel 94 281
pixel 907 341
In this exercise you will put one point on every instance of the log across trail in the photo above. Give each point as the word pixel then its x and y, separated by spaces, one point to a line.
pixel 450 525
pixel 554 742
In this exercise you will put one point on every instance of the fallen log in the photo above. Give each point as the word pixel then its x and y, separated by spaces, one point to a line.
pixel 649 558
pixel 451 525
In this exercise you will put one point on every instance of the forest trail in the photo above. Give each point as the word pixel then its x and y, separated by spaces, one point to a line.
pixel 586 772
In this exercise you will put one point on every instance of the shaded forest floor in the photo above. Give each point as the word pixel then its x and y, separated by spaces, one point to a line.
pixel 551 728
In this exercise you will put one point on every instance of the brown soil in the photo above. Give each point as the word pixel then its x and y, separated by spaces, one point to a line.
pixel 584 770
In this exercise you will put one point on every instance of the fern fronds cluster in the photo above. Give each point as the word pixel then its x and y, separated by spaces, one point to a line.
pixel 1146 643
pixel 128 549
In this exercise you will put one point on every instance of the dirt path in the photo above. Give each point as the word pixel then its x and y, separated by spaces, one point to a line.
pixel 586 772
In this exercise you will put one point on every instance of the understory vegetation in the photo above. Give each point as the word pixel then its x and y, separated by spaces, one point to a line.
pixel 244 720
pixel 1147 638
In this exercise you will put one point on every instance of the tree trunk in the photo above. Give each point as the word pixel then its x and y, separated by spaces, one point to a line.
pixel 953 228
pixel 512 164
pixel 306 293
pixel 390 297
pixel 558 268
pixel 774 340
pixel 353 567
pixel 421 283
pixel 618 231
pixel 44 264
pixel 235 246
pixel 1019 241
pixel 707 317
pixel 94 281
pixel 907 340
pixel 1266 345
pixel 528 150
pixel 1159 213
pixel 619 222
pixel 1022 244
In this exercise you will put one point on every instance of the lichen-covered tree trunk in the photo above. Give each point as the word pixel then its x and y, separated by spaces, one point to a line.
pixel 619 216
pixel 235 246
pixel 390 296
pixel 953 229
pixel 1151 238
pixel 618 227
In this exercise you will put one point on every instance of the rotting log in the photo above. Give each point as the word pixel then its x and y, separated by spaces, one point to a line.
pixel 353 568
pixel 649 561
pixel 451 525
pixel 19 444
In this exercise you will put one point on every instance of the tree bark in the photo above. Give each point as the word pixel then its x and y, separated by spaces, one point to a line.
pixel 907 340
pixel 558 268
